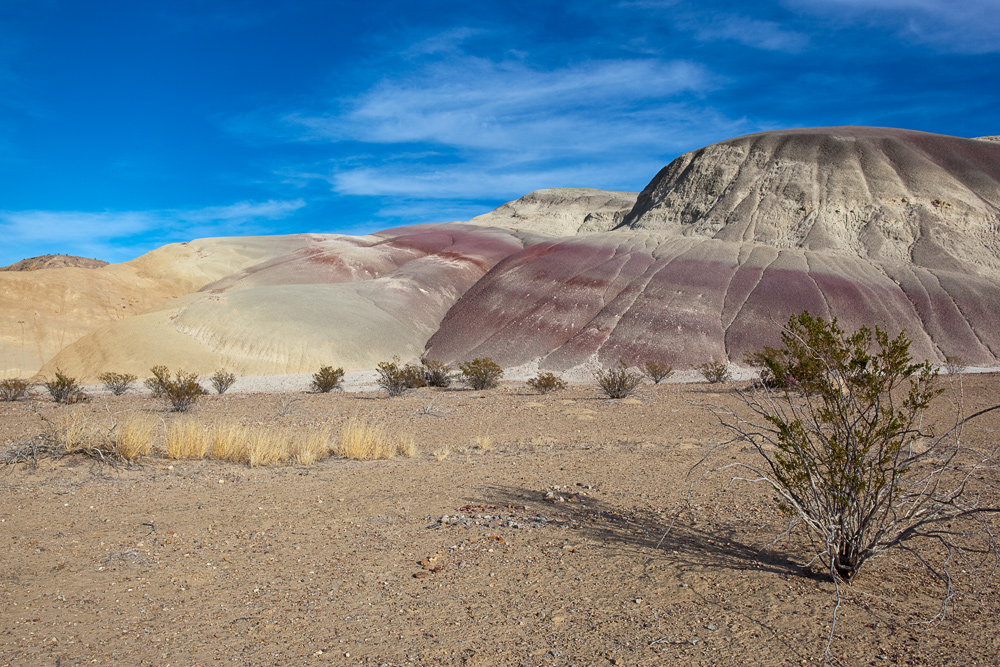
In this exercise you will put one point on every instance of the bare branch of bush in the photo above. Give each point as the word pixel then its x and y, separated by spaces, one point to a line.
pixel 954 365
pixel 117 383
pixel 618 382
pixel 31 450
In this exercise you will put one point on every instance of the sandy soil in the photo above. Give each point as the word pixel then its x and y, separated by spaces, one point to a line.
pixel 453 559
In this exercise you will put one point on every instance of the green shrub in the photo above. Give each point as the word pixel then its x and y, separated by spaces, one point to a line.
pixel 158 383
pixel 481 373
pixel 396 379
pixel 117 383
pixel 849 459
pixel 716 372
pixel 436 374
pixel 12 389
pixel 656 371
pixel 222 380
pixel 63 388
pixel 543 383
pixel 327 378
pixel 181 391
pixel 618 382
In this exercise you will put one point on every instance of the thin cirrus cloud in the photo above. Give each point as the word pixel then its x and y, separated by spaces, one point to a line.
pixel 102 234
pixel 965 26
pixel 496 129
pixel 766 35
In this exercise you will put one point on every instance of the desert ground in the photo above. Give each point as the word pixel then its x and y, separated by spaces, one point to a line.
pixel 454 556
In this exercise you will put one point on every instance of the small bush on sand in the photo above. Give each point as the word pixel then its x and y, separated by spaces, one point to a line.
pixel 545 382
pixel 117 383
pixel 187 439
pixel 363 440
pixel 327 378
pixel 12 389
pixel 182 391
pixel 158 382
pixel 716 372
pixel 62 387
pixel 656 371
pixel 617 382
pixel 849 459
pixel 396 379
pixel 481 373
pixel 222 380
pixel 436 374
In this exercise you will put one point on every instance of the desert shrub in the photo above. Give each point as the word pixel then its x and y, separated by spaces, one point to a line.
pixel 545 382
pixel 327 378
pixel 158 382
pixel 396 379
pixel 363 440
pixel 954 365
pixel 716 372
pixel 117 383
pixel 847 457
pixel 617 382
pixel 12 389
pixel 656 371
pixel 481 373
pixel 63 388
pixel 222 380
pixel 436 373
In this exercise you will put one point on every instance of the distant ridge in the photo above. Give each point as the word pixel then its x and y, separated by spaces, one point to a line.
pixel 54 262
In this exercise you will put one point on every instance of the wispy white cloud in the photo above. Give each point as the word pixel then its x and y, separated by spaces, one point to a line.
pixel 473 128
pixel 766 35
pixel 115 235
pixel 964 26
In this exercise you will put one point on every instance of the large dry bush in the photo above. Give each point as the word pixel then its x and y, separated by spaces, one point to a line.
pixel 327 378
pixel 849 458
pixel 547 382
pixel 182 390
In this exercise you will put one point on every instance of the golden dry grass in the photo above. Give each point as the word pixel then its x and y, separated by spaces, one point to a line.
pixel 229 442
pixel 441 454
pixel 187 439
pixel 364 440
pixel 483 443
pixel 72 432
pixel 305 448
pixel 132 437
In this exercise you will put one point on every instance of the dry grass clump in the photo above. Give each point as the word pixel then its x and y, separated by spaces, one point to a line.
pixel 132 438
pixel 441 454
pixel 483 443
pixel 305 448
pixel 126 440
pixel 187 439
pixel 364 440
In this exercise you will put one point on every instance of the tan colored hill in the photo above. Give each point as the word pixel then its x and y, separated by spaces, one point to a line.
pixel 562 211
pixel 45 310
pixel 54 262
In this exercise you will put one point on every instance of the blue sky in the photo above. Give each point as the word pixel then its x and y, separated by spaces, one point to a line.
pixel 127 125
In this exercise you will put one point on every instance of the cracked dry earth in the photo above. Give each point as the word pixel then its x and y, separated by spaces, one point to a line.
pixel 457 559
